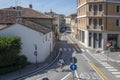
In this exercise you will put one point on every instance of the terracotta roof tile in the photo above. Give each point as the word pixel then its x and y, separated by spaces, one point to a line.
pixel 36 26
pixel 29 12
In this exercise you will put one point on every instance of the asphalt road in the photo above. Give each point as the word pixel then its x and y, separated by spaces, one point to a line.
pixel 84 70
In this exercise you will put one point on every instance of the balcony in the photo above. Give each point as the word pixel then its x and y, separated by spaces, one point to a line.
pixel 94 28
pixel 95 0
pixel 98 13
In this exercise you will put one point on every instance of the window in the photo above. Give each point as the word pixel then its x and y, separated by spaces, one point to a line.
pixel 95 7
pixel 100 7
pixel 95 21
pixel 117 22
pixel 90 21
pixel 118 8
pixel 90 7
pixel 100 21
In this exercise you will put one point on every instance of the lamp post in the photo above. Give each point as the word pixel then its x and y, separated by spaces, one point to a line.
pixel 35 53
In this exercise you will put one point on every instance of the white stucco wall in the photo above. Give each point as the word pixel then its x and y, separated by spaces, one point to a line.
pixel 30 37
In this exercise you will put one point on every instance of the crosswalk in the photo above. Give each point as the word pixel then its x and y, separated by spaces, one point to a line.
pixel 102 59
pixel 70 49
pixel 89 76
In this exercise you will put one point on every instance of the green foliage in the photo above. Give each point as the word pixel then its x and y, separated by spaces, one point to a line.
pixel 10 48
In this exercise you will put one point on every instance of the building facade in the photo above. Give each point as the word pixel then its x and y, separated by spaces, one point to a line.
pixel 98 23
pixel 58 19
pixel 35 31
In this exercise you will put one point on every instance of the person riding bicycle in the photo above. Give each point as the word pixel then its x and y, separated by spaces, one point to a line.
pixel 61 63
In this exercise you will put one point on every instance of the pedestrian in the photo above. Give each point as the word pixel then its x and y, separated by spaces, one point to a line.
pixel 61 63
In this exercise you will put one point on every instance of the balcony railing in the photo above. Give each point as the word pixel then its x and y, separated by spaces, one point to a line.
pixel 96 28
pixel 98 13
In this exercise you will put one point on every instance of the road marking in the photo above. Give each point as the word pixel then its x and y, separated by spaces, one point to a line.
pixel 112 69
pixel 65 49
pixel 109 67
pixel 69 49
pixel 77 75
pixel 77 49
pixel 85 57
pixel 93 65
pixel 83 50
pixel 60 49
pixel 118 76
pixel 115 72
pixel 74 49
pixel 66 76
pixel 99 71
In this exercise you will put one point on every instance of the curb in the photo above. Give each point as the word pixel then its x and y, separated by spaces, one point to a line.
pixel 36 70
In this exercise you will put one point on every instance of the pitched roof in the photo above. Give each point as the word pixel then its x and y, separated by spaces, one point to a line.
pixel 36 26
pixel 29 12
pixel 10 15
pixel 31 25
pixel 7 16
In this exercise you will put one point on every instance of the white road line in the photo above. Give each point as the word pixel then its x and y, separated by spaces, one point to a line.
pixel 109 67
pixel 60 49
pixel 115 72
pixel 69 49
pixel 78 49
pixel 77 75
pixel 118 76
pixel 83 50
pixel 66 76
pixel 85 57
pixel 74 49
pixel 93 67
pixel 106 65
pixel 65 49
pixel 112 69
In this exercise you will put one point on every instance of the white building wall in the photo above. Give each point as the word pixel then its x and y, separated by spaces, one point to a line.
pixel 86 38
pixel 29 38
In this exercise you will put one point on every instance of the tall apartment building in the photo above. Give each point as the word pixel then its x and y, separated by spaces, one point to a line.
pixel 98 23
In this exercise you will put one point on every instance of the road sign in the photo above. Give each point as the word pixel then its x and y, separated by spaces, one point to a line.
pixel 73 60
pixel 73 67
pixel 45 79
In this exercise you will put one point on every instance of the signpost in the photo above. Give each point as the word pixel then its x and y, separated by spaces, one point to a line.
pixel 73 67
pixel 73 60
pixel 35 53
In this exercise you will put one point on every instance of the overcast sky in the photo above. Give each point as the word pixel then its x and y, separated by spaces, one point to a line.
pixel 59 6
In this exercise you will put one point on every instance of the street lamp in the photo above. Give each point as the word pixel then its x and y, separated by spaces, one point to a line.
pixel 35 53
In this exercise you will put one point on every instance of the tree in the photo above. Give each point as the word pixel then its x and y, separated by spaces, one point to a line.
pixel 10 48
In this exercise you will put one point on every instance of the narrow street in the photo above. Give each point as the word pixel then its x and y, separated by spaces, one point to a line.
pixel 84 68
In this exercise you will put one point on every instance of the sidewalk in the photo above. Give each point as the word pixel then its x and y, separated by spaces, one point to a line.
pixel 113 55
pixel 31 68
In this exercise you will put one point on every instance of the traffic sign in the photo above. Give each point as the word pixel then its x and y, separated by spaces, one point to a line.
pixel 73 67
pixel 73 60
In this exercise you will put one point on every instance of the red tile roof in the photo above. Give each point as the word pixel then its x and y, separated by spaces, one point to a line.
pixel 9 15
pixel 36 26
pixel 29 12
pixel 31 25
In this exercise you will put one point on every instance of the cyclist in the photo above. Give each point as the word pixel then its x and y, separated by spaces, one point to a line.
pixel 61 63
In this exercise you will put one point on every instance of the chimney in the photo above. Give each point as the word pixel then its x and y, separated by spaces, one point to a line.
pixel 30 6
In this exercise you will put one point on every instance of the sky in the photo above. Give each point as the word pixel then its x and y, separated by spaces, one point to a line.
pixel 65 7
